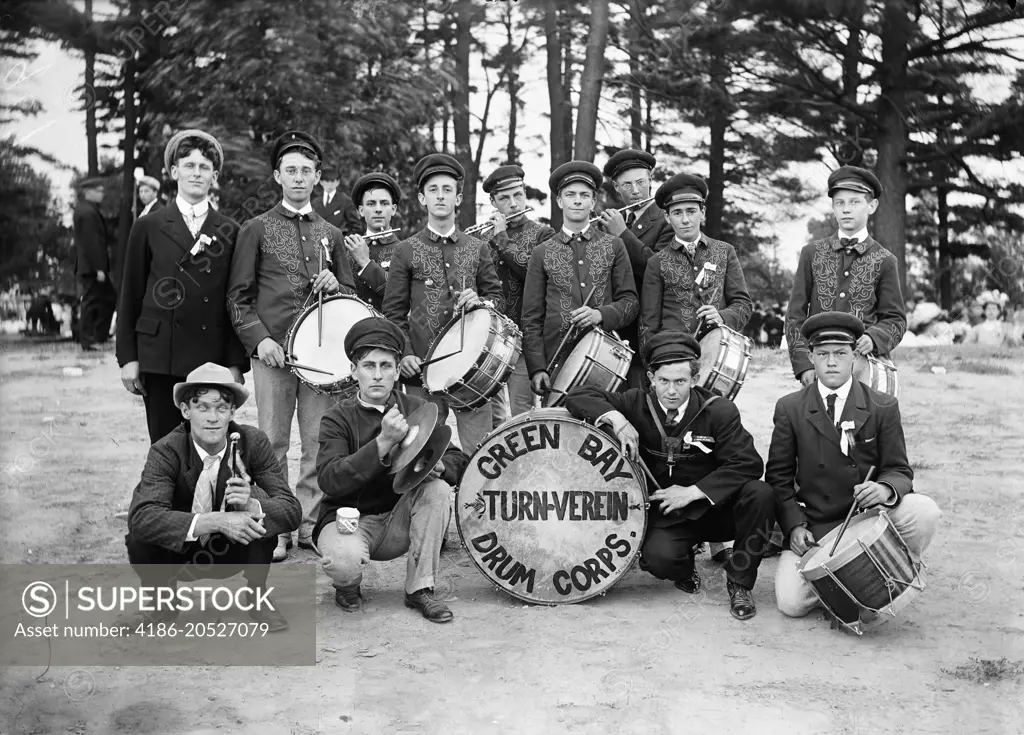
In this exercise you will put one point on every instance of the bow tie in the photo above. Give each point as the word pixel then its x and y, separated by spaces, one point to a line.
pixel 849 243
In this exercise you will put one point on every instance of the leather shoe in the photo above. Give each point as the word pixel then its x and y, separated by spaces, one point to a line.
pixel 284 542
pixel 349 598
pixel 689 584
pixel 721 557
pixel 433 610
pixel 275 621
pixel 741 601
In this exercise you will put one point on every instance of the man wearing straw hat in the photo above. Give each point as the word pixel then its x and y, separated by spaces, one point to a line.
pixel 275 273
pixel 173 316
pixel 196 506
pixel 827 435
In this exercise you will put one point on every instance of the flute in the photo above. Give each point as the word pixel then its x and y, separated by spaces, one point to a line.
pixel 382 233
pixel 623 210
pixel 477 229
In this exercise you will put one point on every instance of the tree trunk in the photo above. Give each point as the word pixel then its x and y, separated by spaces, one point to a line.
pixel 89 97
pixel 890 219
pixel 852 153
pixel 590 82
pixel 128 177
pixel 648 123
pixel 719 123
pixel 512 75
pixel 565 32
pixel 945 261
pixel 431 112
pixel 635 111
pixel 460 99
pixel 553 48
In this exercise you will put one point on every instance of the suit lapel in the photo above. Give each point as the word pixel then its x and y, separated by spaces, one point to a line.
pixel 814 410
pixel 177 229
pixel 193 467
pixel 856 408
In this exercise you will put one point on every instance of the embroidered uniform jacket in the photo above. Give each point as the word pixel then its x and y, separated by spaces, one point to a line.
pixel 865 284
pixel 161 509
pixel 732 462
pixel 426 271
pixel 649 234
pixel 671 294
pixel 561 273
pixel 511 252
pixel 806 464
pixel 173 316
pixel 272 270
pixel 372 280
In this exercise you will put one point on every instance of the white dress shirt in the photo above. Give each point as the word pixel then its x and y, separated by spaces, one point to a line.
pixel 203 454
pixel 450 233
pixel 307 209
pixel 197 211
pixel 860 236
pixel 688 245
pixel 570 233
pixel 842 393
pixel 328 197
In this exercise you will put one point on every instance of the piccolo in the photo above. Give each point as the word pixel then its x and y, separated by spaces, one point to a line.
pixel 623 210
pixel 382 233
pixel 477 229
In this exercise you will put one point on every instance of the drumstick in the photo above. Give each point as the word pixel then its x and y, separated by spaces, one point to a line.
pixel 320 301
pixel 842 529
pixel 568 332
pixel 647 470
pixel 290 363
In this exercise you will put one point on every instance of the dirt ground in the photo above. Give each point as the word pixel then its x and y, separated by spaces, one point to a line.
pixel 643 659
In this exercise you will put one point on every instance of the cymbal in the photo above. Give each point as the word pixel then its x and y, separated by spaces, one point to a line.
pixel 421 423
pixel 409 477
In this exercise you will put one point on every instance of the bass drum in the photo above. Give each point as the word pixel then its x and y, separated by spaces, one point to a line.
pixel 551 509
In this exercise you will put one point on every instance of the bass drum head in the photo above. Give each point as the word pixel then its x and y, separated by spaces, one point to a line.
pixel 550 509
pixel 439 376
pixel 340 315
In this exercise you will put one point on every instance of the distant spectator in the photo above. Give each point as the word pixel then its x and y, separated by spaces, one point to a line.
pixel 774 325
pixel 992 332
pixel 149 195
pixel 92 240
pixel 754 324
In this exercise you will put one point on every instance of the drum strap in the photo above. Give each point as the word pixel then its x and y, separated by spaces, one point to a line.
pixel 671 444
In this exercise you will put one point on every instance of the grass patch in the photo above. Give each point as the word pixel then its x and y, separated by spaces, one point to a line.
pixel 983 670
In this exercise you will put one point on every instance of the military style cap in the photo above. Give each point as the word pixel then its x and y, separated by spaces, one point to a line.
pixel 296 140
pixel 670 346
pixel 149 181
pixel 681 188
pixel 575 171
pixel 92 182
pixel 437 163
pixel 375 180
pixel 504 177
pixel 628 159
pixel 854 178
pixel 171 149
pixel 376 332
pixel 832 327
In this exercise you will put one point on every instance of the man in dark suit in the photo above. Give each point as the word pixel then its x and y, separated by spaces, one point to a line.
pixel 335 206
pixel 191 509
pixel 644 231
pixel 173 314
pixel 92 240
pixel 827 435
pixel 705 464
pixel 149 195
pixel 851 272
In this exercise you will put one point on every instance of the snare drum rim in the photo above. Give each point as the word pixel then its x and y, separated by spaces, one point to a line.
pixel 503 321
pixel 334 386
pixel 627 561
pixel 874 522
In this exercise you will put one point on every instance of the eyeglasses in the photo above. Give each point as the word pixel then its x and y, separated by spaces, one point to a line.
pixel 638 186
pixel 306 171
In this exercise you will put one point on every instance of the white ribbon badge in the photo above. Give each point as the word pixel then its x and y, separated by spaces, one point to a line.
pixel 201 244
pixel 689 442
pixel 846 440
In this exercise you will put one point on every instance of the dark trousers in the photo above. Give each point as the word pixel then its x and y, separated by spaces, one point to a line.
pixel 217 559
pixel 98 303
pixel 748 518
pixel 162 416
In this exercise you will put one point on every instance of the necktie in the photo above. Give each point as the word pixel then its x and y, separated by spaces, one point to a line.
pixel 691 249
pixel 630 220
pixel 190 221
pixel 830 400
pixel 202 499
pixel 327 199
pixel 849 243
pixel 671 415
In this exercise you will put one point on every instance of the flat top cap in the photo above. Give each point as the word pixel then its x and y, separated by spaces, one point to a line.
pixel 437 163
pixel 681 188
pixel 375 332
pixel 504 177
pixel 629 159
pixel 575 171
pixel 832 327
pixel 375 180
pixel 670 346
pixel 854 178
pixel 296 140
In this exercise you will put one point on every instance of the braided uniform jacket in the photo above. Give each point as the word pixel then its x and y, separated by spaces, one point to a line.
pixel 511 252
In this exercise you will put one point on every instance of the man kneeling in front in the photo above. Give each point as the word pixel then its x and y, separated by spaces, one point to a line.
pixel 356 439
pixel 195 509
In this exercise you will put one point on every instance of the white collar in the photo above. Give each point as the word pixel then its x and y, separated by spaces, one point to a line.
pixel 683 242
pixel 203 454
pixel 842 392
pixel 308 209
pixel 681 409
pixel 197 210
pixel 374 406
pixel 570 233
pixel 860 236
pixel 450 233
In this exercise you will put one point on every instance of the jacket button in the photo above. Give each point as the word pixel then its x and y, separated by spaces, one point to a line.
pixel 826 497
pixel 304 240
pixel 206 299
pixel 177 323
pixel 307 259
pixel 842 294
pixel 821 466
pixel 204 326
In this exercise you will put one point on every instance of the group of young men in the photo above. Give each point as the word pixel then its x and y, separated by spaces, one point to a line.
pixel 204 297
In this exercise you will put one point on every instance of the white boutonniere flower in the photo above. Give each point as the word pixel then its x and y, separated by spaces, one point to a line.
pixel 325 244
pixel 201 244
pixel 385 264
pixel 847 441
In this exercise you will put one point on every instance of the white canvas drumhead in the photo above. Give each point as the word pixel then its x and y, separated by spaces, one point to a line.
pixel 574 364
pixel 441 375
pixel 340 314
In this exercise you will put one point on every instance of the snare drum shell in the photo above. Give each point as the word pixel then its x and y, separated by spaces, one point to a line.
pixel 595 358
pixel 725 358
pixel 879 373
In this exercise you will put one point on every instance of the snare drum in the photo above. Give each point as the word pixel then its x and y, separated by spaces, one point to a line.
pixel 340 313
pixel 871 572
pixel 551 509
pixel 724 358
pixel 879 373
pixel 595 358
pixel 474 374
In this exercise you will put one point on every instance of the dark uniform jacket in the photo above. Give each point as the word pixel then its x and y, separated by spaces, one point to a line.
pixel 671 295
pixel 372 280
pixel 426 271
pixel 341 212
pixel 511 252
pixel 173 316
pixel 92 238
pixel 561 274
pixel 805 453
pixel 649 234
pixel 349 470
pixel 161 509
pixel 865 284
pixel 732 462
pixel 272 270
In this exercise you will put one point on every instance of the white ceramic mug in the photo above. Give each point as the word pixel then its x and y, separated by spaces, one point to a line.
pixel 348 520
